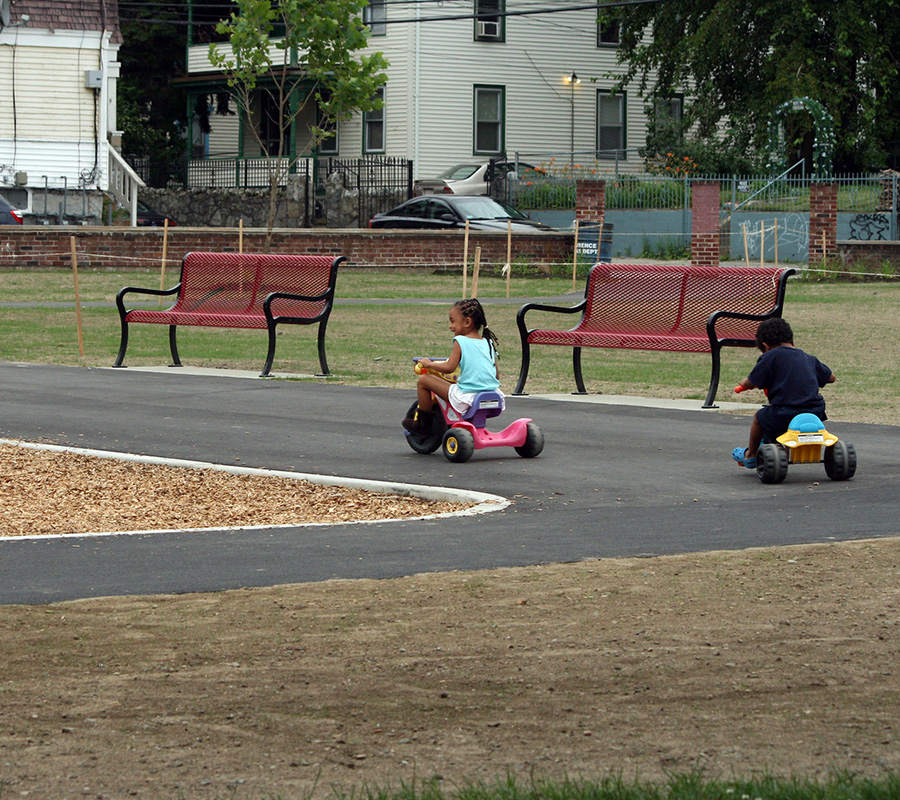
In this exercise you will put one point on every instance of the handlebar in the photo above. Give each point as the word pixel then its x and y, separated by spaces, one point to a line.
pixel 449 377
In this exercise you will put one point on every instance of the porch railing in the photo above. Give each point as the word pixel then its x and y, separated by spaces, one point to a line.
pixel 124 183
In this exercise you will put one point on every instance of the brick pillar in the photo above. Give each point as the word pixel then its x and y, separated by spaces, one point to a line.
pixel 823 206
pixel 590 200
pixel 705 240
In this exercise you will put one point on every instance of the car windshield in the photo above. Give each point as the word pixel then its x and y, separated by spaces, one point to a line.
pixel 459 173
pixel 478 207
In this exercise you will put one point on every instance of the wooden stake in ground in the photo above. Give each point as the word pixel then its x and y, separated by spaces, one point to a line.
pixel 575 256
pixel 77 297
pixel 465 258
pixel 165 253
pixel 507 269
pixel 762 243
pixel 776 241
pixel 475 270
pixel 746 249
pixel 241 235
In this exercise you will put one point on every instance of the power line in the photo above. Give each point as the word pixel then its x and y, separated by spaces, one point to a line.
pixel 450 17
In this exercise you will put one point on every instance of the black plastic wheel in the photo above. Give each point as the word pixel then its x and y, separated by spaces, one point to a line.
pixel 771 463
pixel 534 442
pixel 459 444
pixel 431 441
pixel 840 461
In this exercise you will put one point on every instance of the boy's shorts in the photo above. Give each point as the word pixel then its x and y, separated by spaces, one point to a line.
pixel 774 420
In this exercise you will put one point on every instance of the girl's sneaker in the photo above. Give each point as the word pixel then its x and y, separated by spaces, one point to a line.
pixel 739 454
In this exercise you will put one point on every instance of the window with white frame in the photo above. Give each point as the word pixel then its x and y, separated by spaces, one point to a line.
pixel 610 124
pixel 373 127
pixel 489 21
pixel 374 15
pixel 489 107
pixel 667 110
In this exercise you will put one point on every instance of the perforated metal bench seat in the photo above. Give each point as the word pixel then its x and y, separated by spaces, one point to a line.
pixel 663 307
pixel 241 290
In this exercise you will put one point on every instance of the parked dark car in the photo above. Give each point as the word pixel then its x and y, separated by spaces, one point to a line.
pixel 9 215
pixel 148 218
pixel 445 212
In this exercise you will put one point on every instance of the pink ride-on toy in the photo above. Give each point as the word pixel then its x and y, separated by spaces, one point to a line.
pixel 460 437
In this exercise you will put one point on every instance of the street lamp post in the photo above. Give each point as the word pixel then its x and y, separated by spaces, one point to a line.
pixel 572 80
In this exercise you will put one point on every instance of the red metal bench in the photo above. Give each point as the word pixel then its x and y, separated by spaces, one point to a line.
pixel 651 307
pixel 241 290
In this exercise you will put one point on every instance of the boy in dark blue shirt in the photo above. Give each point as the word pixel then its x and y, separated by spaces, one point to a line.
pixel 791 380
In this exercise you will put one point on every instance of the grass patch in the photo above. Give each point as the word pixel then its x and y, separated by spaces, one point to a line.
pixel 692 786
pixel 847 325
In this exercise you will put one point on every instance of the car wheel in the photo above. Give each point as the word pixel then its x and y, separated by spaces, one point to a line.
pixel 771 463
pixel 840 461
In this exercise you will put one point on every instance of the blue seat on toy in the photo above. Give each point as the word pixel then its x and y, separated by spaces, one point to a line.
pixel 484 406
pixel 806 423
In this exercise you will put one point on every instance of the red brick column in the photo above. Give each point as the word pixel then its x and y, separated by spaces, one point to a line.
pixel 705 239
pixel 590 200
pixel 823 206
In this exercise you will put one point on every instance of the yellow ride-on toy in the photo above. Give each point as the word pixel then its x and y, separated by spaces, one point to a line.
pixel 805 442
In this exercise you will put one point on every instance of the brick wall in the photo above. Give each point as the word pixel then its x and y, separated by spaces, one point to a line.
pixel 590 202
pixel 118 248
pixel 823 208
pixel 706 241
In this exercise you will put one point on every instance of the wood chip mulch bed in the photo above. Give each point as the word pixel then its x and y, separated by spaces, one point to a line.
pixel 51 492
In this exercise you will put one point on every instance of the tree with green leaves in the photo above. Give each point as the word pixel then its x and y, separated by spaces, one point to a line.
pixel 298 52
pixel 150 106
pixel 737 62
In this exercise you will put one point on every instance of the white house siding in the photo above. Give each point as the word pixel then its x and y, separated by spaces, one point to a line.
pixel 538 52
pixel 434 67
pixel 224 135
pixel 51 126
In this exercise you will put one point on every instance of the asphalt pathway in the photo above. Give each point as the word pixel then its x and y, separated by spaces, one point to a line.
pixel 613 480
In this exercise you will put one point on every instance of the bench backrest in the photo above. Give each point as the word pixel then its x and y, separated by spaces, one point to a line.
pixel 678 300
pixel 238 283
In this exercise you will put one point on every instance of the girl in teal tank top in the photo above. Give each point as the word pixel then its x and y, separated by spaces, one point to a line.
pixel 474 352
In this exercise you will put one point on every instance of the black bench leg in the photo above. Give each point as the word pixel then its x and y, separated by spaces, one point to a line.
pixel 323 363
pixel 523 369
pixel 173 346
pixel 710 401
pixel 123 345
pixel 270 355
pixel 576 367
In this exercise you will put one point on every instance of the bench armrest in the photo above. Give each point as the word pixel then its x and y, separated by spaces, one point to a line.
pixel 774 311
pixel 520 316
pixel 325 297
pixel 120 296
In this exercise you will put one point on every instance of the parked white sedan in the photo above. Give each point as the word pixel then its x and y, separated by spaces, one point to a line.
pixel 471 178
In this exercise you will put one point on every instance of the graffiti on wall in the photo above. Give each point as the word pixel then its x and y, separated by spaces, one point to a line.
pixel 870 227
pixel 792 236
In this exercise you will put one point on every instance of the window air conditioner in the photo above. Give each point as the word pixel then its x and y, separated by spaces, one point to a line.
pixel 487 30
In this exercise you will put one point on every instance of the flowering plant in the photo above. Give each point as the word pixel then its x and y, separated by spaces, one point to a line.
pixel 673 165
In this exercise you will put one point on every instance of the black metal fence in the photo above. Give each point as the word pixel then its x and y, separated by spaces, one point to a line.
pixel 380 182
pixel 160 173
pixel 337 192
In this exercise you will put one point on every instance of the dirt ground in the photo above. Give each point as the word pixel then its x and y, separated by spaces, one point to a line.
pixel 781 660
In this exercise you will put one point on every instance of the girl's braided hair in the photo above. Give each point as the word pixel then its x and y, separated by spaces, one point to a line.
pixel 472 308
